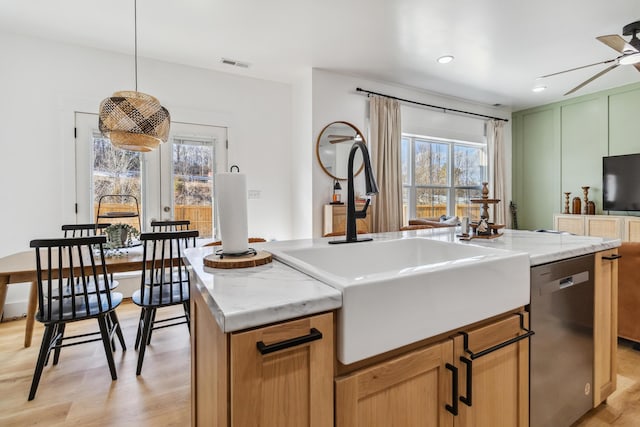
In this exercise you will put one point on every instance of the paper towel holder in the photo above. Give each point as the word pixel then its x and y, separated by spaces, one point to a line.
pixel 248 253
pixel 234 166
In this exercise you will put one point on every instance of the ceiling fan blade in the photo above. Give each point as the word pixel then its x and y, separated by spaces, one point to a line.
pixel 608 61
pixel 616 42
pixel 606 70
pixel 335 141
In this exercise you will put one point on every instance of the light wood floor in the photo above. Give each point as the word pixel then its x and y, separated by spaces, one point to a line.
pixel 79 391
pixel 623 406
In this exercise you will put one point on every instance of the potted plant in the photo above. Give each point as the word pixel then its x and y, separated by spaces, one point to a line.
pixel 118 235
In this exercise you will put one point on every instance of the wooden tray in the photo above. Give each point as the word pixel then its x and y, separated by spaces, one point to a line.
pixel 214 261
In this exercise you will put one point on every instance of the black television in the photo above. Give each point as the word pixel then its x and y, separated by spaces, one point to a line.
pixel 621 183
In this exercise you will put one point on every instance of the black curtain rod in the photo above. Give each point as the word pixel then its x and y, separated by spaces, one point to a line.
pixel 444 109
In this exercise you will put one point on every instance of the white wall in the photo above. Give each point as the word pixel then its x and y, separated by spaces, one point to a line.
pixel 43 83
pixel 302 157
pixel 335 98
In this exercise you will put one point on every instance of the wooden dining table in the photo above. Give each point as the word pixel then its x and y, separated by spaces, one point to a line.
pixel 21 268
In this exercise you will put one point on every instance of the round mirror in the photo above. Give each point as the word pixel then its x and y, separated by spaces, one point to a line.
pixel 333 147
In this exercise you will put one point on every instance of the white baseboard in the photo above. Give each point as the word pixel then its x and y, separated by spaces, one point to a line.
pixel 14 310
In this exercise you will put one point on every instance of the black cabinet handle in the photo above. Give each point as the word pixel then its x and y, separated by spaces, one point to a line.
pixel 453 408
pixel 473 355
pixel 314 335
pixel 612 257
pixel 467 399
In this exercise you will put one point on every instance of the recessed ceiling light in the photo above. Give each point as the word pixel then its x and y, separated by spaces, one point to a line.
pixel 445 59
pixel 539 88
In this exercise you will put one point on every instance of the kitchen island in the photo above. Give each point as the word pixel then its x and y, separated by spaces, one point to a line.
pixel 238 314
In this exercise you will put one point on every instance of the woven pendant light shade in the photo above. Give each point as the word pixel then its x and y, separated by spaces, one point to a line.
pixel 134 121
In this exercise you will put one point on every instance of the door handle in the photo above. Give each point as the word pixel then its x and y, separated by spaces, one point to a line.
pixel 467 399
pixel 313 335
pixel 453 408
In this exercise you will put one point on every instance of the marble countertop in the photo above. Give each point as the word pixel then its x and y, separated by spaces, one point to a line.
pixel 542 247
pixel 250 297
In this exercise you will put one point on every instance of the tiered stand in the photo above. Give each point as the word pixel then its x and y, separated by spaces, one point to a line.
pixel 492 230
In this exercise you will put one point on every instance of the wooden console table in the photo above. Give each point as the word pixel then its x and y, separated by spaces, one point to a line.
pixel 335 219
pixel 623 227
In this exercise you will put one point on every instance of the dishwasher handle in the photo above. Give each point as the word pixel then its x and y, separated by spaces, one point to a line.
pixel 563 283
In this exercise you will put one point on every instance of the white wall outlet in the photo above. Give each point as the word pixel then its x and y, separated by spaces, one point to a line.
pixel 254 194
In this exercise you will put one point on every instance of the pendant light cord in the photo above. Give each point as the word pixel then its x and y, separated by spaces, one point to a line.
pixel 135 38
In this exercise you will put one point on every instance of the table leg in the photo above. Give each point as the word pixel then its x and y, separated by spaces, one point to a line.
pixel 32 305
pixel 4 283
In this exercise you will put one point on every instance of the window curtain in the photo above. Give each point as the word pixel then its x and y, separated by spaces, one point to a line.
pixel 385 135
pixel 495 141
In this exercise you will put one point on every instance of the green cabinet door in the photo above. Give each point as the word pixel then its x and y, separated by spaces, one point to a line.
pixel 584 143
pixel 624 126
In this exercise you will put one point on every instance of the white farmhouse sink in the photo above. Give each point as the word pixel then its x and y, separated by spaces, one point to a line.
pixel 395 292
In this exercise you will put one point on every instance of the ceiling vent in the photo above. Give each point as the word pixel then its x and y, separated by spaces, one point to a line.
pixel 234 63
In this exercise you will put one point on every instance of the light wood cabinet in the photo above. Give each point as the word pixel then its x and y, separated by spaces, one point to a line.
pixel 417 388
pixel 209 367
pixel 573 224
pixel 625 228
pixel 335 220
pixel 409 390
pixel 605 331
pixel 234 384
pixel 498 393
pixel 631 232
pixel 282 375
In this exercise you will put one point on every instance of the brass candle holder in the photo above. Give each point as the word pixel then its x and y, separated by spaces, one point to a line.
pixel 585 190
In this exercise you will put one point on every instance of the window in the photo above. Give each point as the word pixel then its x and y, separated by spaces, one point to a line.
pixel 440 176
pixel 115 172
pixel 192 182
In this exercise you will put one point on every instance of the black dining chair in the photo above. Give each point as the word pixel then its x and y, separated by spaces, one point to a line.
pixel 170 225
pixel 83 230
pixel 164 282
pixel 67 271
pixel 86 230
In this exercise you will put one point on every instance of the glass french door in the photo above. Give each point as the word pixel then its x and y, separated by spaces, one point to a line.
pixel 172 182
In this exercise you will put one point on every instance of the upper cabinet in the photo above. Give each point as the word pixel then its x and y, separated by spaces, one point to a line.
pixel 559 147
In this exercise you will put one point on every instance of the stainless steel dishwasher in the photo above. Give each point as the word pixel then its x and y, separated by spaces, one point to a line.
pixel 561 352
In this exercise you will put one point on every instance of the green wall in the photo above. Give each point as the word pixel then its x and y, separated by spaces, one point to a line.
pixel 559 147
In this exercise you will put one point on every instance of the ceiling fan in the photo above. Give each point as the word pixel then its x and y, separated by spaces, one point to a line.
pixel 334 139
pixel 630 53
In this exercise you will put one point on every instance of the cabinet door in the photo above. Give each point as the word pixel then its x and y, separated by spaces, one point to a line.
pixel 570 223
pixel 411 390
pixel 603 226
pixel 631 230
pixel 499 383
pixel 605 328
pixel 282 375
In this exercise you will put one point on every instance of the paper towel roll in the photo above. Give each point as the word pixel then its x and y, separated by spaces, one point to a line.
pixel 231 204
